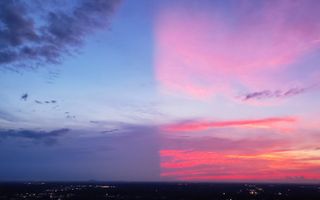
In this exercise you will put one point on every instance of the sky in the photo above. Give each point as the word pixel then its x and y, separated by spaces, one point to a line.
pixel 146 90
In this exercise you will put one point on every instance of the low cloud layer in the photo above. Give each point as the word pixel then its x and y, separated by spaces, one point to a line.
pixel 47 137
pixel 32 35
pixel 129 154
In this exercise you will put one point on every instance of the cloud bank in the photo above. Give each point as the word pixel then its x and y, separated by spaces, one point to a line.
pixel 46 137
pixel 32 35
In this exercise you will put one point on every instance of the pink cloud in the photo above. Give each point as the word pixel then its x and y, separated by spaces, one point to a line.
pixel 204 125
pixel 235 146
pixel 201 52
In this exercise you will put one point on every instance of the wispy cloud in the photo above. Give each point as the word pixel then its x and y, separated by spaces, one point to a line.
pixel 204 125
pixel 227 145
pixel 7 116
pixel 36 35
pixel 37 101
pixel 206 55
pixel 109 131
pixel 268 94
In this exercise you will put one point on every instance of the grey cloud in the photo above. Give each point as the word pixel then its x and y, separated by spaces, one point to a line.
pixel 24 96
pixel 46 102
pixel 37 101
pixel 46 137
pixel 31 37
pixel 266 94
pixel 109 131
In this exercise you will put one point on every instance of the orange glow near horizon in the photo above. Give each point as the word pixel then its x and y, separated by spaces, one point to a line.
pixel 222 166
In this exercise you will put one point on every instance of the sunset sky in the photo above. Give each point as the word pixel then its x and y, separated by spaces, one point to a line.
pixel 170 90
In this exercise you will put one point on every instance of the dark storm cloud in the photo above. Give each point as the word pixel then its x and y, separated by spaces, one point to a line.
pixel 46 137
pixel 265 94
pixel 30 37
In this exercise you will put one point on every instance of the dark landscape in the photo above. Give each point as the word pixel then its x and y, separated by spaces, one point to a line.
pixel 150 191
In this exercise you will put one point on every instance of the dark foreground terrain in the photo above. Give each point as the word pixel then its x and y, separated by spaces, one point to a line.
pixel 163 191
